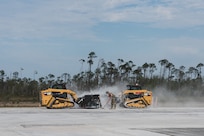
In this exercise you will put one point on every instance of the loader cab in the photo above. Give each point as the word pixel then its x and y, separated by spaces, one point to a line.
pixel 134 95
pixel 133 92
pixel 134 87
pixel 59 86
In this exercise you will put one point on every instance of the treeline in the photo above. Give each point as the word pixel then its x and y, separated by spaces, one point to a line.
pixel 178 80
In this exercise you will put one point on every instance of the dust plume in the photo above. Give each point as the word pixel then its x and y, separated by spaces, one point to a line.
pixel 170 98
pixel 162 97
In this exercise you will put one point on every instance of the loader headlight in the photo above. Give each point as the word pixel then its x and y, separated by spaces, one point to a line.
pixel 47 93
pixel 146 94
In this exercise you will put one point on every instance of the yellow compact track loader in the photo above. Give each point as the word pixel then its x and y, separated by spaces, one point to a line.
pixel 58 97
pixel 136 97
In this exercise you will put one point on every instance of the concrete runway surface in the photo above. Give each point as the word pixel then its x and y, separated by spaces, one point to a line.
pixel 162 121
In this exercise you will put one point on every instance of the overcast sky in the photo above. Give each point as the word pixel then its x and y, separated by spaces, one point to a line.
pixel 51 36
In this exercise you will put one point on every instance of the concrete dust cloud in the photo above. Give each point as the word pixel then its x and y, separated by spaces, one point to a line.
pixel 163 97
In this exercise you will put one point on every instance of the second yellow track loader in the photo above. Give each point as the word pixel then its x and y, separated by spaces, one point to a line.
pixel 136 97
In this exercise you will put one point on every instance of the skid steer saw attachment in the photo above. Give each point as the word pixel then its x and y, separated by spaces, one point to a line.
pixel 136 97
pixel 90 101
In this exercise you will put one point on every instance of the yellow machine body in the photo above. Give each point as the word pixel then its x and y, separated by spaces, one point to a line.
pixel 57 98
pixel 136 97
